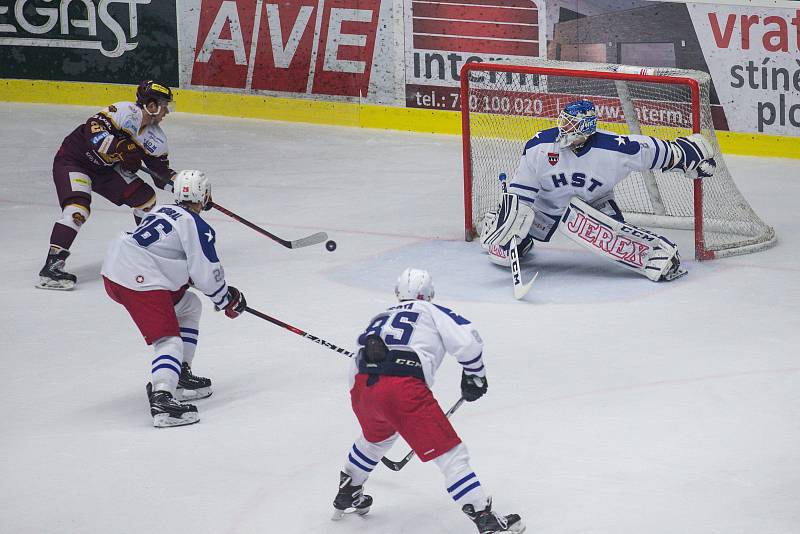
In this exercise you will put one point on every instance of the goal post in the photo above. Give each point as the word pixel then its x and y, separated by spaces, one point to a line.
pixel 503 106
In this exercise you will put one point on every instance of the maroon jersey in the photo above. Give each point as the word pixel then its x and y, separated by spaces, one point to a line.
pixel 115 135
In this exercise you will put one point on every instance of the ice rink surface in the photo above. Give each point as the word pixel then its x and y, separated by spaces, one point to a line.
pixel 615 405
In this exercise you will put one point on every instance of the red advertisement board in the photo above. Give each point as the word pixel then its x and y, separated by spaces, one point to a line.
pixel 259 45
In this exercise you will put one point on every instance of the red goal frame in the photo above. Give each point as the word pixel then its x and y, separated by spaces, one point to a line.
pixel 701 253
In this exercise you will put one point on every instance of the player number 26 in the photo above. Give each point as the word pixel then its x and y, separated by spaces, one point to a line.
pixel 150 232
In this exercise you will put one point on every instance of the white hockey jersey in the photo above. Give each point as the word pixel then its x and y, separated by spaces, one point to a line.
pixel 548 176
pixel 170 246
pixel 430 331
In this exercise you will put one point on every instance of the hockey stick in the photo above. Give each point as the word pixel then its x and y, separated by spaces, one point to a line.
pixel 299 332
pixel 397 466
pixel 307 241
pixel 520 289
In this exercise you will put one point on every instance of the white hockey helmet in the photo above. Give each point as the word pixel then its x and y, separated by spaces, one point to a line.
pixel 191 186
pixel 414 284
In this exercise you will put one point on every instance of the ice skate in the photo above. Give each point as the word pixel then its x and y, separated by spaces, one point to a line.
pixel 489 522
pixel 674 270
pixel 53 276
pixel 350 499
pixel 167 411
pixel 192 387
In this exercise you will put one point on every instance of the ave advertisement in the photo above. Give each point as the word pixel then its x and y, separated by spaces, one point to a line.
pixel 310 48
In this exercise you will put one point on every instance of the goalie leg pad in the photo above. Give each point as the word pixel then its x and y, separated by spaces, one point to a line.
pixel 635 248
pixel 511 219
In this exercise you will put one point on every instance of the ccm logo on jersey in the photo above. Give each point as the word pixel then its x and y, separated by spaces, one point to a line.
pixel 599 236
pixel 411 363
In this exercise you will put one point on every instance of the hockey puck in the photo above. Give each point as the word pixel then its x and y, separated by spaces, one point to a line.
pixel 330 245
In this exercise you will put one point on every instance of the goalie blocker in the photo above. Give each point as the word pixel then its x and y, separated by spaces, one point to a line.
pixel 635 248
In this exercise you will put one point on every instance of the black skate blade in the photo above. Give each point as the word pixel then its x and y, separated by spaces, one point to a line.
pixel 189 395
pixel 164 420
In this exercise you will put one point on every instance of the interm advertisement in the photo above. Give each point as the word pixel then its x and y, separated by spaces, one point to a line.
pixel 302 47
pixel 440 37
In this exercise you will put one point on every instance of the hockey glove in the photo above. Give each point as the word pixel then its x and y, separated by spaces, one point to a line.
pixel 689 152
pixel 128 153
pixel 706 168
pixel 473 387
pixel 236 303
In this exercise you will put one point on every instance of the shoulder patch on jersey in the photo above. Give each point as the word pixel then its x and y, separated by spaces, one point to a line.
pixel 613 142
pixel 544 136
pixel 208 238
pixel 453 315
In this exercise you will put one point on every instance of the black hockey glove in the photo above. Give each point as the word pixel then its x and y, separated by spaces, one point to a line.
pixel 236 303
pixel 473 387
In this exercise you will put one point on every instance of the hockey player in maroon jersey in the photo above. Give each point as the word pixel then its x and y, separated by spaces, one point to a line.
pixel 391 376
pixel 102 156
pixel 149 270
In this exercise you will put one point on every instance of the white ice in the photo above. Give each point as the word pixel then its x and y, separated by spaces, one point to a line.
pixel 615 406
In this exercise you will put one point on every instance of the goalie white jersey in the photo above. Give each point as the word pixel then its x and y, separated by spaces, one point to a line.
pixel 430 331
pixel 170 246
pixel 549 176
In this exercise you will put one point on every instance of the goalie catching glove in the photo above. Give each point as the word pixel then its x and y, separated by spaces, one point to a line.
pixel 693 153
pixel 512 220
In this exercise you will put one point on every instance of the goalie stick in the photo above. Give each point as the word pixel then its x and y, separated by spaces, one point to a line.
pixel 307 241
pixel 397 466
pixel 520 289
pixel 299 332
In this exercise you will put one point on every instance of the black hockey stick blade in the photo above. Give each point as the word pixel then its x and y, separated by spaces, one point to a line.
pixel 397 466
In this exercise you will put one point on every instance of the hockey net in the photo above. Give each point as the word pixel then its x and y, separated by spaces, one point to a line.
pixel 508 104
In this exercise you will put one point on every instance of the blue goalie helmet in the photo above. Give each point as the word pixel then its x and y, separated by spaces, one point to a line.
pixel 576 123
